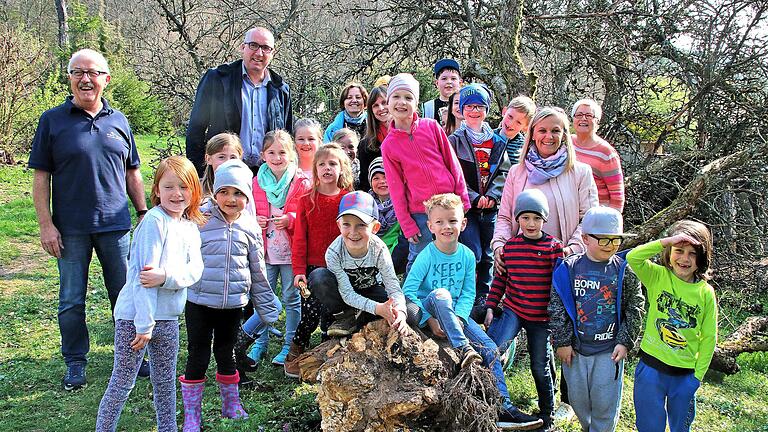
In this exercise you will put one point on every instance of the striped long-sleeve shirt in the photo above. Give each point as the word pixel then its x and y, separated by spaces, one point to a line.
pixel 606 169
pixel 527 282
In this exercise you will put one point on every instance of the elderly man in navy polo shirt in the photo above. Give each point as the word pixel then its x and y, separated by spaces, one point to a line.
pixel 85 160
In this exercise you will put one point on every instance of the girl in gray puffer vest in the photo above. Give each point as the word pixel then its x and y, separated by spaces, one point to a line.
pixel 234 272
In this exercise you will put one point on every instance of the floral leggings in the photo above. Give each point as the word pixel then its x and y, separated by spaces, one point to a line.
pixel 163 349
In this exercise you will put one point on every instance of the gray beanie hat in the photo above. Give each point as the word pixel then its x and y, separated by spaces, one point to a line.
pixel 532 201
pixel 236 174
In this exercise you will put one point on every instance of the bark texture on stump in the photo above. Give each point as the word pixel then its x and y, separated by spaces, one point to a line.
pixel 379 380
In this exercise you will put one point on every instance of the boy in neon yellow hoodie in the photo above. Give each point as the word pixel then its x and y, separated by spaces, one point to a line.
pixel 680 328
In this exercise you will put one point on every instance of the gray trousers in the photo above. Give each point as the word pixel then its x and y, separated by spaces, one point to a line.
pixel 594 390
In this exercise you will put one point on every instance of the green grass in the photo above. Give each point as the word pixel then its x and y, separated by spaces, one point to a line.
pixel 31 367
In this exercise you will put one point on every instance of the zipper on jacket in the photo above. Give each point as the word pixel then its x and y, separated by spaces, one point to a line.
pixel 226 266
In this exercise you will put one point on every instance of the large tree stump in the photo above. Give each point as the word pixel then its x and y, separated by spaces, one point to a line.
pixel 751 336
pixel 379 380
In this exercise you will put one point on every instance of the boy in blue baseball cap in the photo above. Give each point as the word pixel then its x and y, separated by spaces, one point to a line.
pixel 359 282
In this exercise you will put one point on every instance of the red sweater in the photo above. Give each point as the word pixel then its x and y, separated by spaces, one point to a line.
pixel 314 230
pixel 527 282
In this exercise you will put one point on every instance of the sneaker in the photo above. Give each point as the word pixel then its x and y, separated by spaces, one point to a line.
pixel 144 370
pixel 344 324
pixel 469 356
pixel 514 419
pixel 75 377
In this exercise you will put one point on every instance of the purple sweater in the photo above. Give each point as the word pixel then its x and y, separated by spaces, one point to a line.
pixel 419 164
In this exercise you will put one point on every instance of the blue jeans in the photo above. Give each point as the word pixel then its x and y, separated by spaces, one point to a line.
pixel 255 327
pixel 426 237
pixel 477 237
pixel 439 304
pixel 290 296
pixel 505 328
pixel 112 250
pixel 658 396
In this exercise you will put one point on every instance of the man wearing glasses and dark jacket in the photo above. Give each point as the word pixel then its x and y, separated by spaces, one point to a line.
pixel 245 97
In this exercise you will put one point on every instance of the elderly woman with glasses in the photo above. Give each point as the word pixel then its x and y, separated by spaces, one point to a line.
pixel 597 153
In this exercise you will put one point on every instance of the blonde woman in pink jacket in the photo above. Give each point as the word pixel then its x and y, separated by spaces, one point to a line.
pixel 548 163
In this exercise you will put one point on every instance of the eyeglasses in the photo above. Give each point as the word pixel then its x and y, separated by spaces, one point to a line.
pixel 254 46
pixel 475 107
pixel 605 241
pixel 587 116
pixel 93 74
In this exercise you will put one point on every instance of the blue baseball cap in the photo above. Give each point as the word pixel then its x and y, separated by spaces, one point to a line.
pixel 475 94
pixel 360 204
pixel 446 63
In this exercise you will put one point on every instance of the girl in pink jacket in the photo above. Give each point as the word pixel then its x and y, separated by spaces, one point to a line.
pixel 276 191
pixel 418 162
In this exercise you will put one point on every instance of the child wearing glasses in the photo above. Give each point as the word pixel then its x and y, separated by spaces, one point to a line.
pixel 529 259
pixel 483 159
pixel 595 313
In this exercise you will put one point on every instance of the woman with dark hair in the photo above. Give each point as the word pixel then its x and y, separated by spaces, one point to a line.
pixel 376 129
pixel 352 103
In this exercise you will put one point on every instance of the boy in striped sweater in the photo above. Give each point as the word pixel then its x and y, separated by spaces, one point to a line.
pixel 529 259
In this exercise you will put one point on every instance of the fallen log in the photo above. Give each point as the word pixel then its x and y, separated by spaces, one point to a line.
pixel 380 380
pixel 751 336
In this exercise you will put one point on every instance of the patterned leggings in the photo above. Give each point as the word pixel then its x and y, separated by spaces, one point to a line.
pixel 312 313
pixel 163 350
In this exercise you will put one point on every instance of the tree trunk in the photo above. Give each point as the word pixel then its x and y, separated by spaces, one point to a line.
pixel 61 14
pixel 379 380
pixel 713 174
pixel 751 336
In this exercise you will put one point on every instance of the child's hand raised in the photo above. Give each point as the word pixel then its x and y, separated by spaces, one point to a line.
pixel 679 239
pixel 150 277
pixel 565 354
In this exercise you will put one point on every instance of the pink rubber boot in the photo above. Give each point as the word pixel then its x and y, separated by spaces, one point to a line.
pixel 230 396
pixel 192 395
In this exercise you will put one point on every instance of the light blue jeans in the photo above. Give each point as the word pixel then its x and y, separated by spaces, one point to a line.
pixel 439 304
pixel 112 250
pixel 290 296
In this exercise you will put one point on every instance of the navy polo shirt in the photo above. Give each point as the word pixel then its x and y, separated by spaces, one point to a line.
pixel 87 158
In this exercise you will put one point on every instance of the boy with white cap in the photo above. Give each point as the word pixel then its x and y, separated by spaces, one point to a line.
pixel 359 282
pixel 596 312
